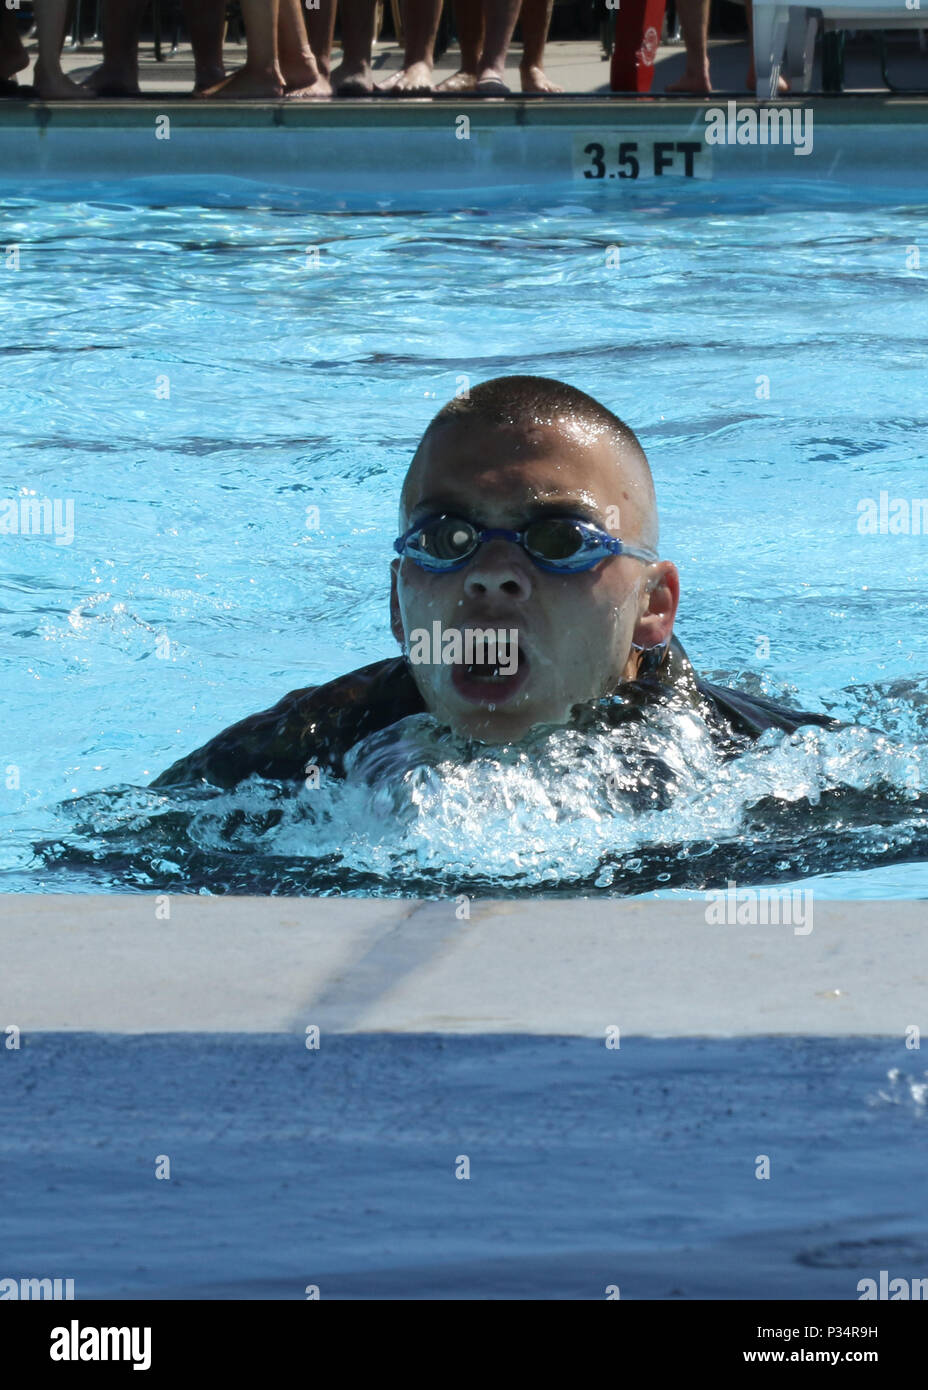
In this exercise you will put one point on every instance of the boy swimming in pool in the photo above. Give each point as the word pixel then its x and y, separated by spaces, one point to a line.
pixel 528 510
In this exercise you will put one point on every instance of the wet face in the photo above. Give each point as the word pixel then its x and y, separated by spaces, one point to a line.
pixel 575 631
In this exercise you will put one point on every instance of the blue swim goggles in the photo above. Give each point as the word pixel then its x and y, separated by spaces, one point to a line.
pixel 558 545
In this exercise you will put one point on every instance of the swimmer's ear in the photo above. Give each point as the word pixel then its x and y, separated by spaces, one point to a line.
pixel 659 599
pixel 396 617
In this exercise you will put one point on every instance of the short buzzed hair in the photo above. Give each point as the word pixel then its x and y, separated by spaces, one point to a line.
pixel 526 402
pixel 518 401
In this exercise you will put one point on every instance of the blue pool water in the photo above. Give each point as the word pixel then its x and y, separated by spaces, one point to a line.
pixel 766 344
pixel 587 1168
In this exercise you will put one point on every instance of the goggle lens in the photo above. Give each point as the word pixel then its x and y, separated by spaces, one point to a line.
pixel 447 539
pixel 554 540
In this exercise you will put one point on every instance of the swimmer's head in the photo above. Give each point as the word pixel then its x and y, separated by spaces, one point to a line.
pixel 514 450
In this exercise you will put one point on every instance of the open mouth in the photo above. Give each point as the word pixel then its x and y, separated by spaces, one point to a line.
pixel 487 682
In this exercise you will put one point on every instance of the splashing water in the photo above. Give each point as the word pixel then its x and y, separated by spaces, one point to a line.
pixel 904 1090
pixel 650 804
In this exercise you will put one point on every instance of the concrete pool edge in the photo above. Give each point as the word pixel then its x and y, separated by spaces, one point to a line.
pixel 417 112
pixel 190 964
pixel 507 144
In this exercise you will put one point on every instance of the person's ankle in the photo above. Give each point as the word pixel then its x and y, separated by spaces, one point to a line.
pixel 271 71
pixel 208 77
pixel 118 72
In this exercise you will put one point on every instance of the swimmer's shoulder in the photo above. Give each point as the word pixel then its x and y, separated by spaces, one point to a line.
pixel 733 710
pixel 315 725
pixel 752 715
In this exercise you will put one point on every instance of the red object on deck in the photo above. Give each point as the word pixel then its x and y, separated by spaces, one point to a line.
pixel 638 25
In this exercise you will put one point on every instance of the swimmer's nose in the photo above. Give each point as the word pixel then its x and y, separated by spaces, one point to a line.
pixel 496 570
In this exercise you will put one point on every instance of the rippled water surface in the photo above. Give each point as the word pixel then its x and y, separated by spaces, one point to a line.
pixel 195 381
pixel 688 1219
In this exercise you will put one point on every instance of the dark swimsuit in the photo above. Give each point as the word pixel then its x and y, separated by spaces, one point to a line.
pixel 318 725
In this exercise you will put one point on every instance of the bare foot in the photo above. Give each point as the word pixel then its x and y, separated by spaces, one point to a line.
pixel 301 74
pixel 209 77
pixel 751 81
pixel 490 83
pixel 697 83
pixel 249 82
pixel 315 91
pixel 534 80
pixel 113 82
pixel 414 81
pixel 54 86
pixel 459 81
pixel 355 80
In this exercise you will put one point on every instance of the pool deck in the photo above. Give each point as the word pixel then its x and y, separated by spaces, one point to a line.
pixel 652 968
pixel 577 65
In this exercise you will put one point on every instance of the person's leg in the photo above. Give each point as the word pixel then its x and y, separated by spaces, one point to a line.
pixel 501 16
pixel 13 55
pixel 536 21
pixel 694 19
pixel 751 79
pixel 51 17
pixel 297 62
pixel 468 21
pixel 118 76
pixel 261 76
pixel 354 76
pixel 320 26
pixel 414 79
pixel 206 22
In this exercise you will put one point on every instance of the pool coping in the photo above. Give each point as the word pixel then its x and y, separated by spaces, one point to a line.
pixel 148 963
pixel 842 108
